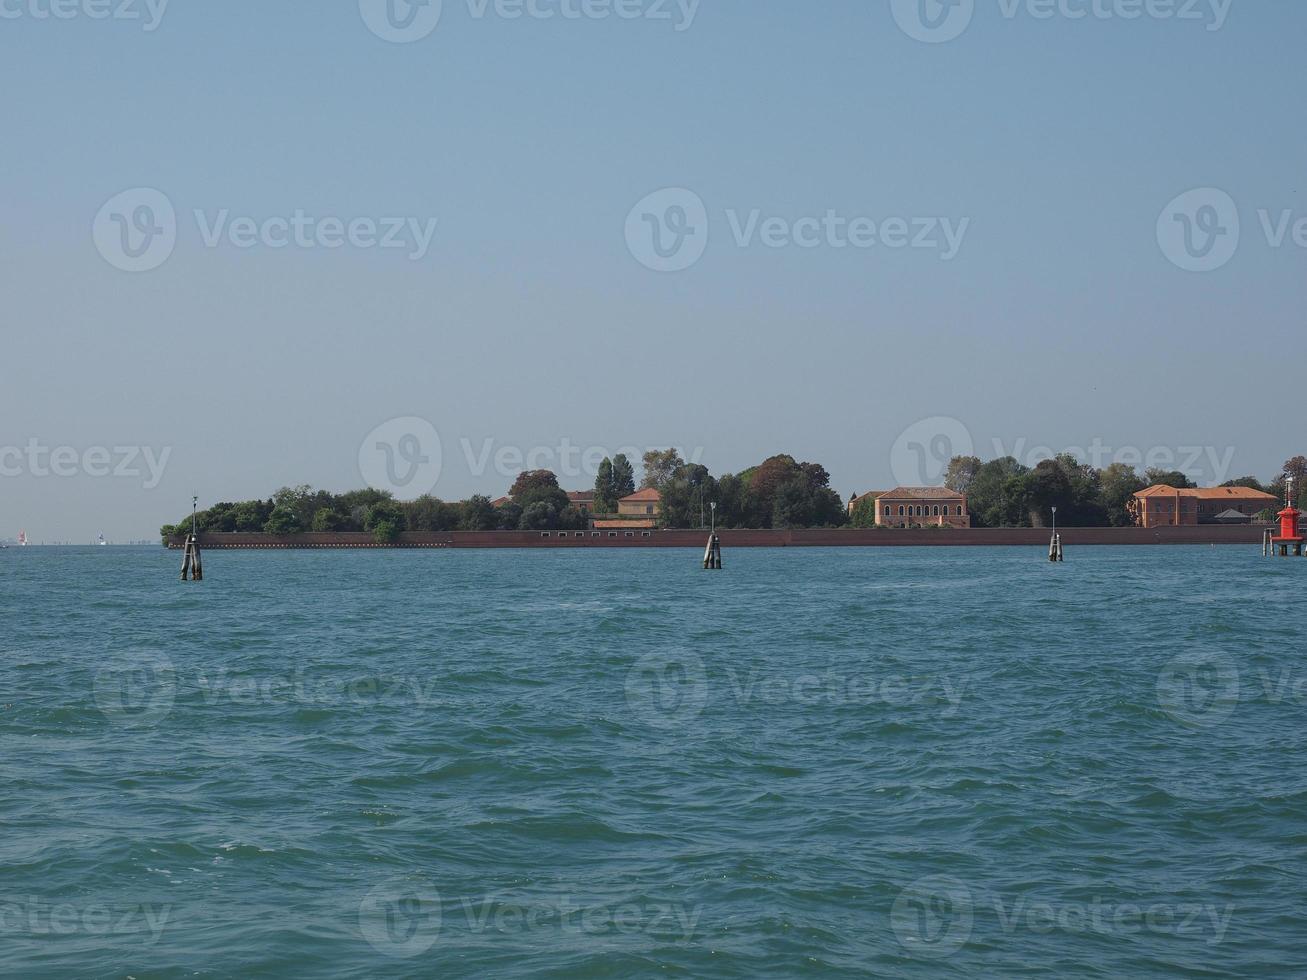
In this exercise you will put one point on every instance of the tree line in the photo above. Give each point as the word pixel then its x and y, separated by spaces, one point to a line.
pixel 779 492
pixel 1004 493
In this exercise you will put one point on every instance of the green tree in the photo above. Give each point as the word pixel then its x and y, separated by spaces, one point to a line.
pixel 605 495
pixel 538 516
pixel 385 532
pixel 283 520
pixel 687 496
pixel 995 498
pixel 961 472
pixel 428 513
pixel 1119 484
pixel 538 486
pixel 386 515
pixel 864 512
pixel 1155 476
pixel 732 495
pixel 478 515
pixel 623 477
pixel 327 519
pixel 659 467
pixel 508 516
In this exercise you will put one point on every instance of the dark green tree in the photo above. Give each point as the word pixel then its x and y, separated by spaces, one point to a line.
pixel 623 477
pixel 605 489
pixel 478 515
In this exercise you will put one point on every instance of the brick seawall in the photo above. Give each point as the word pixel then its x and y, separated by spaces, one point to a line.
pixel 807 538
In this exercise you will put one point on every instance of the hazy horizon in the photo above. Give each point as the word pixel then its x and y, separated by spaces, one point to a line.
pixel 245 246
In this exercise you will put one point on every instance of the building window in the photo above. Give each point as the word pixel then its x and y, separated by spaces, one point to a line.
pixel 630 534
pixel 644 534
pixel 900 510
pixel 544 534
pixel 595 534
pixel 887 510
pixel 934 511
pixel 612 534
pixel 959 511
pixel 649 509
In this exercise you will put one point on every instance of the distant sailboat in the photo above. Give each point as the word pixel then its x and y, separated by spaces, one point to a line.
pixel 102 542
pixel 22 539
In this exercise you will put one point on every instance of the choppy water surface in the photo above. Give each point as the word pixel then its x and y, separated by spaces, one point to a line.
pixel 925 762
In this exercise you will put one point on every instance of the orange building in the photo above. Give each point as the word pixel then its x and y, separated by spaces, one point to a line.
pixel 1163 506
pixel 642 503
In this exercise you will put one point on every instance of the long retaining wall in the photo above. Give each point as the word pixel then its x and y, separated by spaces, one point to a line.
pixel 807 538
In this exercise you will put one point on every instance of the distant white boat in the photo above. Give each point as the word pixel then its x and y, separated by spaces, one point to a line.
pixel 102 542
pixel 22 539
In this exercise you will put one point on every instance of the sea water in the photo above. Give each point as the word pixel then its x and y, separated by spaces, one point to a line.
pixel 846 763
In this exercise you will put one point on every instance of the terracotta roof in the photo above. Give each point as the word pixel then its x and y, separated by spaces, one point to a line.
pixel 858 498
pixel 501 501
pixel 923 493
pixel 1207 493
pixel 647 495
pixel 581 496
pixel 636 525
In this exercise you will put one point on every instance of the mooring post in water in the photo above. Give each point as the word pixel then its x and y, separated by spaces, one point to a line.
pixel 192 569
pixel 712 555
pixel 1055 544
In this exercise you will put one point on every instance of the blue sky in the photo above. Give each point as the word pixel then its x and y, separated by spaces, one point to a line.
pixel 531 321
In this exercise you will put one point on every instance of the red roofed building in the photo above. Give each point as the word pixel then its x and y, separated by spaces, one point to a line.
pixel 1163 506
pixel 642 503
pixel 582 500
pixel 928 506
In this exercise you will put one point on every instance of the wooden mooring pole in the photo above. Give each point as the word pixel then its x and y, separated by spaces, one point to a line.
pixel 712 555
pixel 192 567
pixel 1055 545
